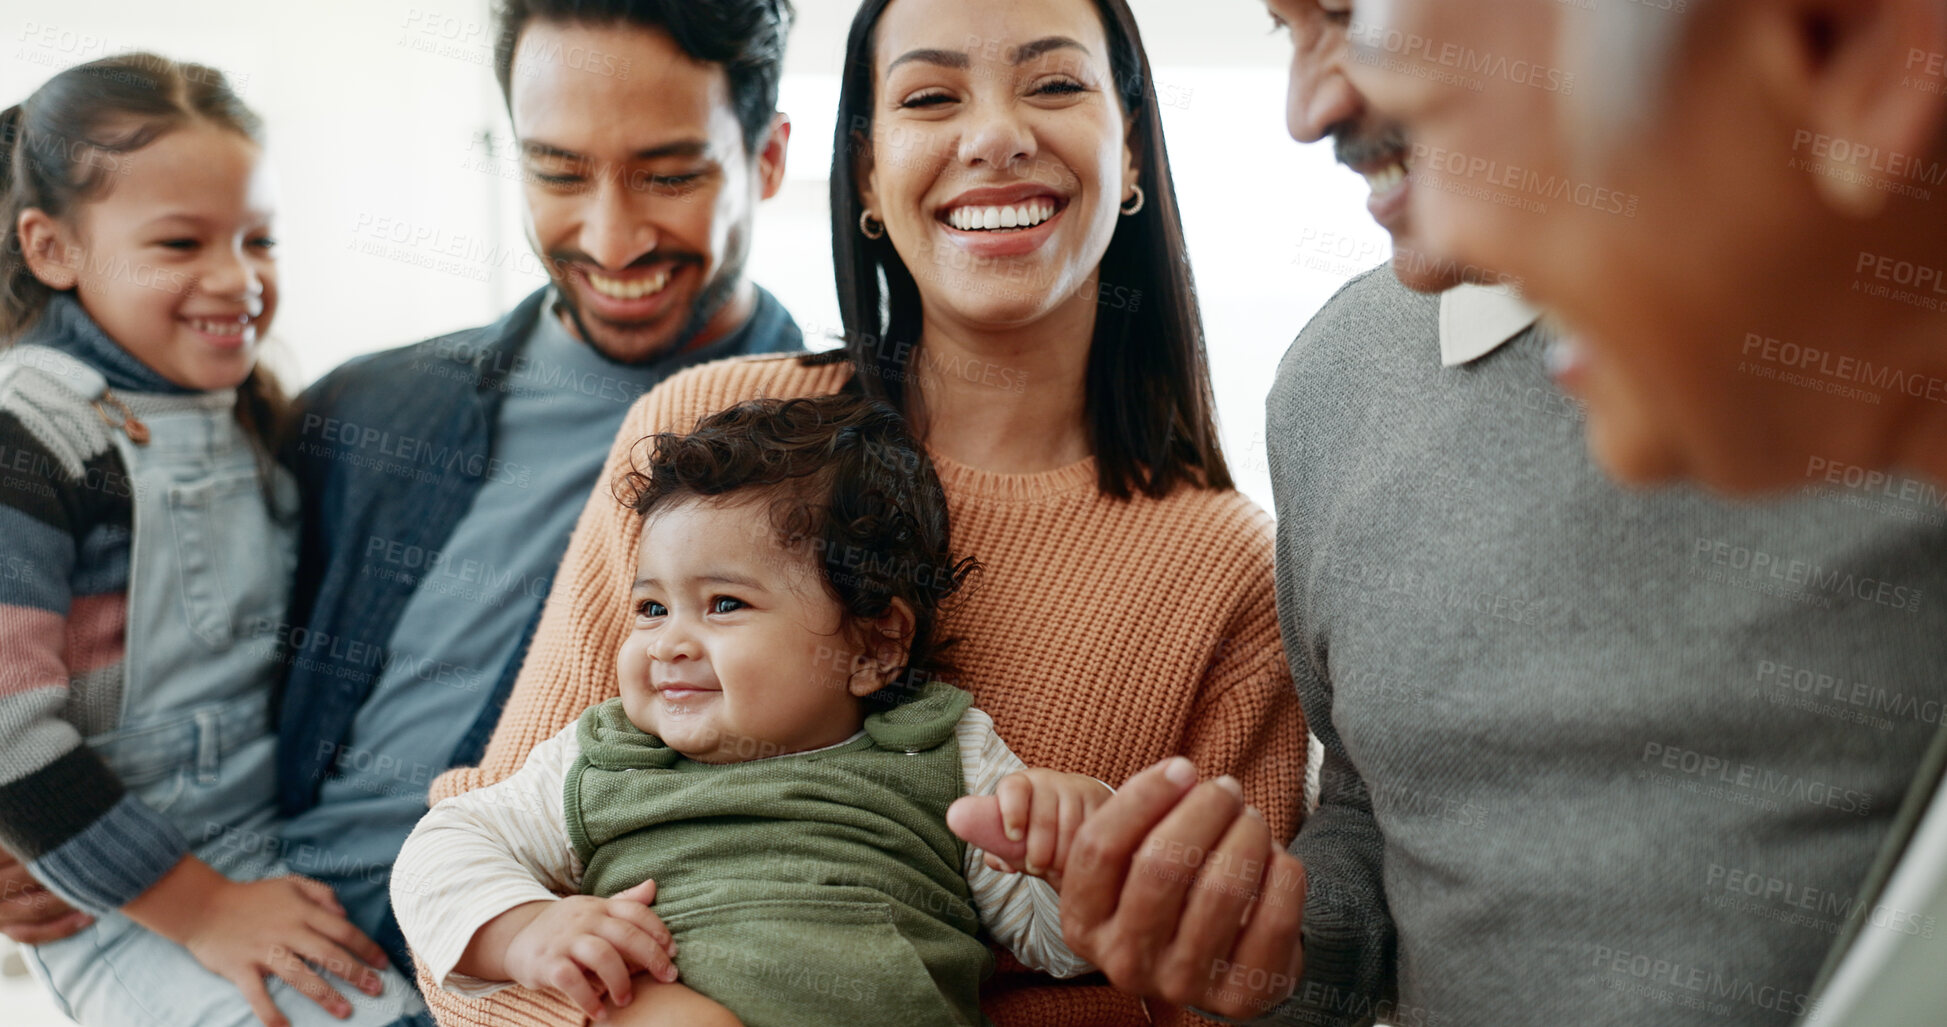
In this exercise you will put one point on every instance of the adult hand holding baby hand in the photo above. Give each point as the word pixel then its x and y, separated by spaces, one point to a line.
pixel 1030 821
pixel 1178 890
pixel 584 947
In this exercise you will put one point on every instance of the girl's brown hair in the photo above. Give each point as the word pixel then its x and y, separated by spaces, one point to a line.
pixel 64 145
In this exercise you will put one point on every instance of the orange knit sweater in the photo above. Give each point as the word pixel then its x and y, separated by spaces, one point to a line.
pixel 1102 635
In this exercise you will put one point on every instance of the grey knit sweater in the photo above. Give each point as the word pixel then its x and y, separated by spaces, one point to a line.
pixel 1592 756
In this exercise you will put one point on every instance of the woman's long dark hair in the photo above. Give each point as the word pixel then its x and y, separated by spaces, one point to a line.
pixel 1150 409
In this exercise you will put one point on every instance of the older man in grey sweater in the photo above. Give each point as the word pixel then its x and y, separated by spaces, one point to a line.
pixel 1591 756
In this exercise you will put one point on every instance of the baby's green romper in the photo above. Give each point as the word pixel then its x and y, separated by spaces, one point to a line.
pixel 817 889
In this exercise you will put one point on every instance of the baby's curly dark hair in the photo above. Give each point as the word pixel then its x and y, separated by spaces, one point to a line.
pixel 849 483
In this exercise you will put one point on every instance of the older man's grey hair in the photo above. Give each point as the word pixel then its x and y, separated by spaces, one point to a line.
pixel 1626 52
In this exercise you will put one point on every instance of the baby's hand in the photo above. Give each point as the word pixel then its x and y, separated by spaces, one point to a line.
pixel 584 947
pixel 1030 820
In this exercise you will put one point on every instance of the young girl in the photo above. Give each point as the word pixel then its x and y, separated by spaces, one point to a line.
pixel 146 551
pixel 776 774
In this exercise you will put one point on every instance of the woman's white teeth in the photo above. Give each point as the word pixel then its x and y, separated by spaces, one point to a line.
pixel 626 288
pixel 990 219
pixel 221 326
pixel 1386 179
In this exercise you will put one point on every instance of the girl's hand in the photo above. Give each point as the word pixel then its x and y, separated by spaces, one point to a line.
pixel 29 913
pixel 243 930
pixel 1030 821
pixel 584 947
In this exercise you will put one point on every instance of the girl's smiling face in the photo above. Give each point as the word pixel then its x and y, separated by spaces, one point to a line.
pixel 999 152
pixel 174 259
pixel 737 650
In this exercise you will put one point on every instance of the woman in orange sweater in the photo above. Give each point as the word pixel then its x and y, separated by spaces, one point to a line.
pixel 1013 277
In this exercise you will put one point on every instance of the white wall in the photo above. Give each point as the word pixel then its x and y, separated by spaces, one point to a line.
pixel 398 222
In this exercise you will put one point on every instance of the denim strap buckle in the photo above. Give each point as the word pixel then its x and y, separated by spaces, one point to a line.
pixel 209 745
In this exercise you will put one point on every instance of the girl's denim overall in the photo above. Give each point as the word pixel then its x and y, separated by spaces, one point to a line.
pixel 210 570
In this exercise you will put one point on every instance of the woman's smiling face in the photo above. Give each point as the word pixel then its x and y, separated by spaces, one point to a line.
pixel 999 153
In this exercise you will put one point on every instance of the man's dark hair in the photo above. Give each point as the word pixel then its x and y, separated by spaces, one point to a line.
pixel 848 484
pixel 745 36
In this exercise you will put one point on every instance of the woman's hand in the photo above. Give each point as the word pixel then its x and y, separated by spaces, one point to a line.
pixel 1178 891
pixel 1030 821
pixel 243 930
pixel 581 947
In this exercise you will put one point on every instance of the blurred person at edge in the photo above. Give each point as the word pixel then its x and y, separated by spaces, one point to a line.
pixel 422 464
pixel 1772 312
pixel 1380 933
pixel 1779 166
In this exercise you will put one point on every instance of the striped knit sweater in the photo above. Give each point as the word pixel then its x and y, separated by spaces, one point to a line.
pixel 1103 635
pixel 65 517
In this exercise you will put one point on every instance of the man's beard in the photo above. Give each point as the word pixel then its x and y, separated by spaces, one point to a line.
pixel 716 293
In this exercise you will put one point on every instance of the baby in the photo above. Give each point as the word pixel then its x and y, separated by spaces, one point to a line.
pixel 776 773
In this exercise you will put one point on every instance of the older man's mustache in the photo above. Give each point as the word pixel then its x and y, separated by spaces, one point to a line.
pixel 1358 146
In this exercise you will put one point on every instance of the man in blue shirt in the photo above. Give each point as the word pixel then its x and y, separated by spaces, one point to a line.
pixel 443 479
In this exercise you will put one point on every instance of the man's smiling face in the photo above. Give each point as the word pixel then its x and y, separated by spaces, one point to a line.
pixel 640 191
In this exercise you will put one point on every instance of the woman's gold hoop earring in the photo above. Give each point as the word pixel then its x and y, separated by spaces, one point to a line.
pixel 873 228
pixel 1138 201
